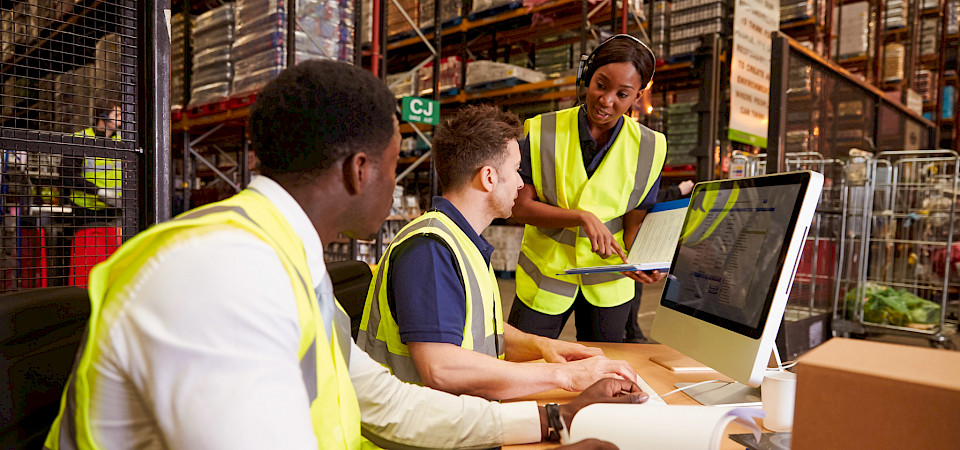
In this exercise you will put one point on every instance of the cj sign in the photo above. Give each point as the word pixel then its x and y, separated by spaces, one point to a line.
pixel 416 109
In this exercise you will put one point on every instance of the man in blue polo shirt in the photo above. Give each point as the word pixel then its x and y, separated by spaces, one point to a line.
pixel 434 314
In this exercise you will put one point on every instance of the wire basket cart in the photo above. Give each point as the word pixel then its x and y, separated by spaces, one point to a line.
pixel 806 321
pixel 744 164
pixel 901 215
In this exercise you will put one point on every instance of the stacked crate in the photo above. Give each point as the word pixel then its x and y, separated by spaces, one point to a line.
pixel 682 132
pixel 109 80
pixel 325 30
pixel 396 23
pixel 795 10
pixel 449 10
pixel 690 19
pixel 506 240
pixel 895 14
pixel 851 32
pixel 894 55
pixel 74 100
pixel 212 72
pixel 659 30
pixel 179 43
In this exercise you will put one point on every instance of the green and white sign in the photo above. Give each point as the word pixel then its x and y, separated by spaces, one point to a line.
pixel 420 110
pixel 753 21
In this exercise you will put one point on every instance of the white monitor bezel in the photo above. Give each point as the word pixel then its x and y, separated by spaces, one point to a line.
pixel 742 353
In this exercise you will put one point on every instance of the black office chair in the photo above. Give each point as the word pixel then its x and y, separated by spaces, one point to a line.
pixel 351 280
pixel 40 330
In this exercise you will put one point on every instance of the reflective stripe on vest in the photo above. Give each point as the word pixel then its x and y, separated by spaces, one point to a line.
pixel 483 328
pixel 334 410
pixel 105 173
pixel 620 183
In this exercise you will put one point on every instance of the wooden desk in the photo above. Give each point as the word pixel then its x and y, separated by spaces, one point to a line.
pixel 659 378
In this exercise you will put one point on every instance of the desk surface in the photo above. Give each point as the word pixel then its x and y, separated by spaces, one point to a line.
pixel 658 377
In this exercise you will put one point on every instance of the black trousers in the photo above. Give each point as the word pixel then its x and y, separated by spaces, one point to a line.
pixel 594 323
pixel 633 331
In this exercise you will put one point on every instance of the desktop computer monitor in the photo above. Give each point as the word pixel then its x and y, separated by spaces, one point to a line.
pixel 733 269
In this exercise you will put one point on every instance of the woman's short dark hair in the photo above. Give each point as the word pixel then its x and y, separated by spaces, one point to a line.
pixel 317 113
pixel 476 136
pixel 623 50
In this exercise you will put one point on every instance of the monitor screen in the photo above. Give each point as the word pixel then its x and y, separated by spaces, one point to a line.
pixel 731 250
pixel 732 270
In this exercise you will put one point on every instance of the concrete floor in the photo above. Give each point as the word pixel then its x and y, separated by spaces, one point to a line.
pixel 648 307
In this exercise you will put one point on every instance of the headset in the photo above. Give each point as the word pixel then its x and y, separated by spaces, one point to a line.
pixel 587 61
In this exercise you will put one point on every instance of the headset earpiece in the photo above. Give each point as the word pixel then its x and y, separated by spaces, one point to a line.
pixel 586 61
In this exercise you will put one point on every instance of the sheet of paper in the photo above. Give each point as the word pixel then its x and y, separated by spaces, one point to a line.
pixel 656 426
pixel 657 239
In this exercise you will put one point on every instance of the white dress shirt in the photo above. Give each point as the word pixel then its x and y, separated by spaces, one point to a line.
pixel 202 354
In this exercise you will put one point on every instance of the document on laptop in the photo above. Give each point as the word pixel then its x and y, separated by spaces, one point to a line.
pixel 655 244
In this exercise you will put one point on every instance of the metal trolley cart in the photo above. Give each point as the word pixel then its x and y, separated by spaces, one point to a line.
pixel 807 317
pixel 897 275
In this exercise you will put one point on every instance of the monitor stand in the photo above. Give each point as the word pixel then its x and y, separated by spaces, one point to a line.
pixel 723 394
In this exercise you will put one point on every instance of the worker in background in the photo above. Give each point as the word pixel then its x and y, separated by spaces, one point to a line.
pixel 434 316
pixel 219 329
pixel 95 182
pixel 634 334
pixel 590 174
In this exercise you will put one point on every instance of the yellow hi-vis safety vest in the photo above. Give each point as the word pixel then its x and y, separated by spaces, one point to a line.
pixel 483 328
pixel 334 410
pixel 628 170
pixel 105 173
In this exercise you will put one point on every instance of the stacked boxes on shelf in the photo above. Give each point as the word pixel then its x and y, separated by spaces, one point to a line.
pixel 484 5
pixel 414 145
pixel 449 10
pixel 325 30
pixel 893 59
pixel 659 30
pixel 929 43
pixel 690 19
pixel 851 30
pixel 109 78
pixel 212 74
pixel 555 60
pixel 449 76
pixel 895 14
pixel 396 23
pixel 682 132
pixel 179 23
pixel 480 73
pixel 953 17
pixel 926 84
pixel 46 88
pixel 794 10
pixel 73 100
pixel 328 28
pixel 506 240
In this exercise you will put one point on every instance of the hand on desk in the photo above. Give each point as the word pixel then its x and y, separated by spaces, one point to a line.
pixel 608 390
pixel 578 375
pixel 557 351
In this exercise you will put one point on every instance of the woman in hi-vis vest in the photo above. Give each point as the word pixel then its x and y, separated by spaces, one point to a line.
pixel 590 174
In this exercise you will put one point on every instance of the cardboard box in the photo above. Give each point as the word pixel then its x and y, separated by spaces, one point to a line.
pixel 862 394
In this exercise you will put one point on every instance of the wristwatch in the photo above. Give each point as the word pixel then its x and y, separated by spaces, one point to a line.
pixel 554 422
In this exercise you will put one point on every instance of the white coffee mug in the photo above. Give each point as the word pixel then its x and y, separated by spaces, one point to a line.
pixel 778 392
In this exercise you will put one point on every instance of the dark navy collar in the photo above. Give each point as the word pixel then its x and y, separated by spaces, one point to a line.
pixel 592 156
pixel 443 205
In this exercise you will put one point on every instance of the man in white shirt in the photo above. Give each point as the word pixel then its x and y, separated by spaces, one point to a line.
pixel 200 336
